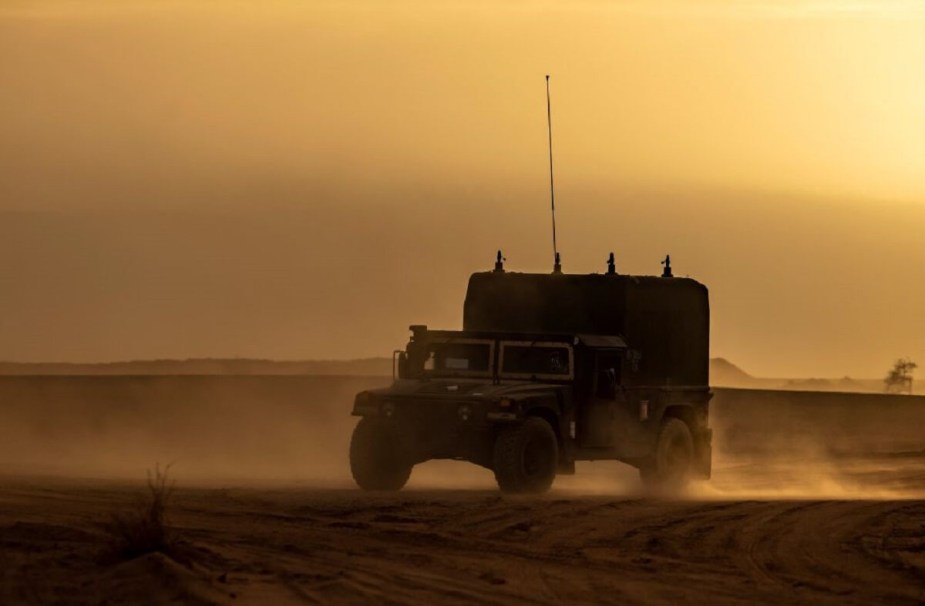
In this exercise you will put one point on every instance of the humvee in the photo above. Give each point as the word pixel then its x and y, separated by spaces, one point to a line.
pixel 549 369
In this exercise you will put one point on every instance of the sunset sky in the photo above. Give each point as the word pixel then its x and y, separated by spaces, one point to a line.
pixel 304 179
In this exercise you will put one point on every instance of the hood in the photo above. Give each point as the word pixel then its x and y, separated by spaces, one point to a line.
pixel 464 388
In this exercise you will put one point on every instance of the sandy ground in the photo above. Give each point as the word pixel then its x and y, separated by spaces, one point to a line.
pixel 588 541
pixel 812 501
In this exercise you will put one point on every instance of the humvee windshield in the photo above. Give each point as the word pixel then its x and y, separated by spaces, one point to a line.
pixel 530 359
pixel 459 357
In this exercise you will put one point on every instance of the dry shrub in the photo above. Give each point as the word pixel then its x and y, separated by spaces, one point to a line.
pixel 143 529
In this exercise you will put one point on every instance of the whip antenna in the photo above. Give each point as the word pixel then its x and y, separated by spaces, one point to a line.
pixel 557 266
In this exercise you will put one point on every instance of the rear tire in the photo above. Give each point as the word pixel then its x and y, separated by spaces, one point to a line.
pixel 378 460
pixel 669 469
pixel 525 457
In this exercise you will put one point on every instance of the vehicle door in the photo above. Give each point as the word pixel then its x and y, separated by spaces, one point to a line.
pixel 606 402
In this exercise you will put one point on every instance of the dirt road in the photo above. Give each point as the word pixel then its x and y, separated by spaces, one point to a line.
pixel 276 545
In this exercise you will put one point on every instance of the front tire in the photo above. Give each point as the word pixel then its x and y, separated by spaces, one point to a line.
pixel 378 460
pixel 525 457
pixel 669 469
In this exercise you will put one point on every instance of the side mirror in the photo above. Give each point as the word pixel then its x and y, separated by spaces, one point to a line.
pixel 399 365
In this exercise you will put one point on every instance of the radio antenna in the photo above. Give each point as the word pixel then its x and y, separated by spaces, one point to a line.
pixel 557 266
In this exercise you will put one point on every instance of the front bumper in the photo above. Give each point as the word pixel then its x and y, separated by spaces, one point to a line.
pixel 438 411
pixel 441 428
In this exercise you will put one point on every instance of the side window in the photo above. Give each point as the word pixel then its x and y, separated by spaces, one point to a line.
pixel 549 360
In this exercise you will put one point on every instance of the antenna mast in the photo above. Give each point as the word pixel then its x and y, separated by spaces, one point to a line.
pixel 557 266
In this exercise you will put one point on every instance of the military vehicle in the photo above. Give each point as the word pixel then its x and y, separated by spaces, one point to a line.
pixel 549 369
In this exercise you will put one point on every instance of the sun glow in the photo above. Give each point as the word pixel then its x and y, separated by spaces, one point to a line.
pixel 400 129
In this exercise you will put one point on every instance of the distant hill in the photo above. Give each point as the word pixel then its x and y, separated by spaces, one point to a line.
pixel 725 373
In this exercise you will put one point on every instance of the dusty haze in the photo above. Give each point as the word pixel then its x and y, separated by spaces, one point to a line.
pixel 288 180
pixel 285 430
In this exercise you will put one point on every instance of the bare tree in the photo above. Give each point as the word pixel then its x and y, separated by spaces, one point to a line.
pixel 899 379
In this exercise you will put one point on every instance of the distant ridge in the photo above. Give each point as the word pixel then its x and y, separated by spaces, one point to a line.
pixel 723 373
pixel 205 366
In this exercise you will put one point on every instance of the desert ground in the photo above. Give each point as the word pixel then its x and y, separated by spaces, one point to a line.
pixel 812 501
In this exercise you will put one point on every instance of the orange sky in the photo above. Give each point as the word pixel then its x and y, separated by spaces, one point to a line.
pixel 181 172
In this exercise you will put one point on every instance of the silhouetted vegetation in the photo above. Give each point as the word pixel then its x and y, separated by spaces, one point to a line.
pixel 899 379
pixel 143 529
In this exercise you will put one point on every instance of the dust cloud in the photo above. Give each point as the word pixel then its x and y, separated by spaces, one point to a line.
pixel 211 429
pixel 802 445
pixel 295 431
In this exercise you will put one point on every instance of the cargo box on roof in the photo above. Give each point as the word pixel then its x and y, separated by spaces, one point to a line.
pixel 665 321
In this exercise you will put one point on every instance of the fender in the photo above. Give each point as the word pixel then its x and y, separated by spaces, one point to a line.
pixel 551 411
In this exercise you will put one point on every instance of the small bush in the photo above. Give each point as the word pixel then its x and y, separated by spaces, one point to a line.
pixel 143 529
